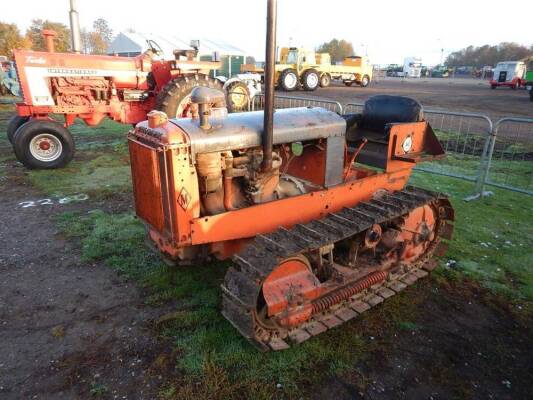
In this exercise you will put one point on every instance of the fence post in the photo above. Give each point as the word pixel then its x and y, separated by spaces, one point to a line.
pixel 484 166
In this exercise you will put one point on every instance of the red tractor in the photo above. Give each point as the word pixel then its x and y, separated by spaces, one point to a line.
pixel 92 87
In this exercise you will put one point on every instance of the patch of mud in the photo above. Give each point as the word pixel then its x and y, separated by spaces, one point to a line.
pixel 69 329
pixel 463 343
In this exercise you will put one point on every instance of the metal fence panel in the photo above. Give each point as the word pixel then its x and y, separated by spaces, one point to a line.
pixel 510 155
pixel 465 138
pixel 354 108
pixel 258 103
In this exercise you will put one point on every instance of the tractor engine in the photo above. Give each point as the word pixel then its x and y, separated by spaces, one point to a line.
pixel 211 164
pixel 80 91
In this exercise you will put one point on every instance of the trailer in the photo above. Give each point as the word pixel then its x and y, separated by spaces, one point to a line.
pixel 352 70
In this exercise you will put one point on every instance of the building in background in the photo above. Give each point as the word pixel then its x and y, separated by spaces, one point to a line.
pixel 131 44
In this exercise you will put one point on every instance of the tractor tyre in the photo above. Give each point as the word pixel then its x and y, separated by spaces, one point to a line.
pixel 310 80
pixel 175 98
pixel 43 144
pixel 15 122
pixel 288 80
pixel 325 80
pixel 365 81
pixel 237 97
pixel 349 83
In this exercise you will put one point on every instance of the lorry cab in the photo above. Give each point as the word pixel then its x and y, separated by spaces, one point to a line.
pixel 301 59
pixel 508 73
pixel 412 67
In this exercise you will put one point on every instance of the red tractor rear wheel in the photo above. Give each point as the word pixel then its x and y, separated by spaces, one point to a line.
pixel 175 98
pixel 15 122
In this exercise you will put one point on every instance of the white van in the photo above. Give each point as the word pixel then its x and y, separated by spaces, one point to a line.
pixel 509 73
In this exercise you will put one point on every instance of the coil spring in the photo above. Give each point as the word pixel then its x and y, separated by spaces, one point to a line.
pixel 327 301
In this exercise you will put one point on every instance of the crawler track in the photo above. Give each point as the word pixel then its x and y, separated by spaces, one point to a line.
pixel 243 281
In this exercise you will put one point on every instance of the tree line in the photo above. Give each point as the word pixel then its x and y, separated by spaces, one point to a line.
pixel 337 49
pixel 488 55
pixel 94 41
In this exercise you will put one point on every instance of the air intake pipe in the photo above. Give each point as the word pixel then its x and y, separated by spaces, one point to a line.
pixel 270 60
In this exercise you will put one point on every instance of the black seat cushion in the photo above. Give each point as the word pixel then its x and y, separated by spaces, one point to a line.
pixel 384 109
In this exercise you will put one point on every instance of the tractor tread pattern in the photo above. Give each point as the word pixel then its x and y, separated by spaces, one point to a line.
pixel 175 90
pixel 243 281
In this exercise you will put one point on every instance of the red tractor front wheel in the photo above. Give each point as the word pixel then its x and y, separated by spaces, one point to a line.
pixel 43 144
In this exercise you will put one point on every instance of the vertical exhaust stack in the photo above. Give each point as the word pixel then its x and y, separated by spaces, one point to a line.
pixel 49 36
pixel 270 60
pixel 75 27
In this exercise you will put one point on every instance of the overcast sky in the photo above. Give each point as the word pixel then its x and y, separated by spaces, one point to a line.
pixel 387 30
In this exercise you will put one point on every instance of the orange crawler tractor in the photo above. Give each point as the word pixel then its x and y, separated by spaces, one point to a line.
pixel 315 237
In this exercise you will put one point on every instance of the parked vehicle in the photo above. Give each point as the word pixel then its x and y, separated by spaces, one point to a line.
pixel 509 74
pixel 305 68
pixel 354 69
pixel 296 67
pixel 92 87
pixel 241 89
pixel 440 71
pixel 412 67
pixel 529 76
pixel 394 70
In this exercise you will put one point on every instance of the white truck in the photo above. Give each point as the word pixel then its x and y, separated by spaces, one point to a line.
pixel 412 67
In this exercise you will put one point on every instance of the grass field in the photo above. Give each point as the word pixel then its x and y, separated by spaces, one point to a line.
pixel 491 247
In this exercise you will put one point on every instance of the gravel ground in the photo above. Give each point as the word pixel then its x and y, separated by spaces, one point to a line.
pixel 466 95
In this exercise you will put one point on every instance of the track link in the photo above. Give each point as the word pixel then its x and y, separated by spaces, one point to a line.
pixel 243 281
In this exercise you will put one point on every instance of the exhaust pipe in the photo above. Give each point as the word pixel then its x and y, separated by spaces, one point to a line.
pixel 75 27
pixel 270 60
pixel 49 36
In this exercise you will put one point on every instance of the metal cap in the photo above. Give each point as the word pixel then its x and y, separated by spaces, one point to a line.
pixel 205 95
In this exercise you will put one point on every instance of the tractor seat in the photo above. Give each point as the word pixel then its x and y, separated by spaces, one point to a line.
pixel 378 112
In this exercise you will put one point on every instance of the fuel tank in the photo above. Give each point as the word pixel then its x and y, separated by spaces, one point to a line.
pixel 244 130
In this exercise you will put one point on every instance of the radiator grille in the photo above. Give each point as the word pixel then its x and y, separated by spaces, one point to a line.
pixel 146 178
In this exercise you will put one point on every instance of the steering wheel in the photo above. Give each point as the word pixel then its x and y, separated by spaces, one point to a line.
pixel 154 46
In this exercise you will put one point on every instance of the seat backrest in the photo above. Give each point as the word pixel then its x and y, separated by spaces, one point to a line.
pixel 381 110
